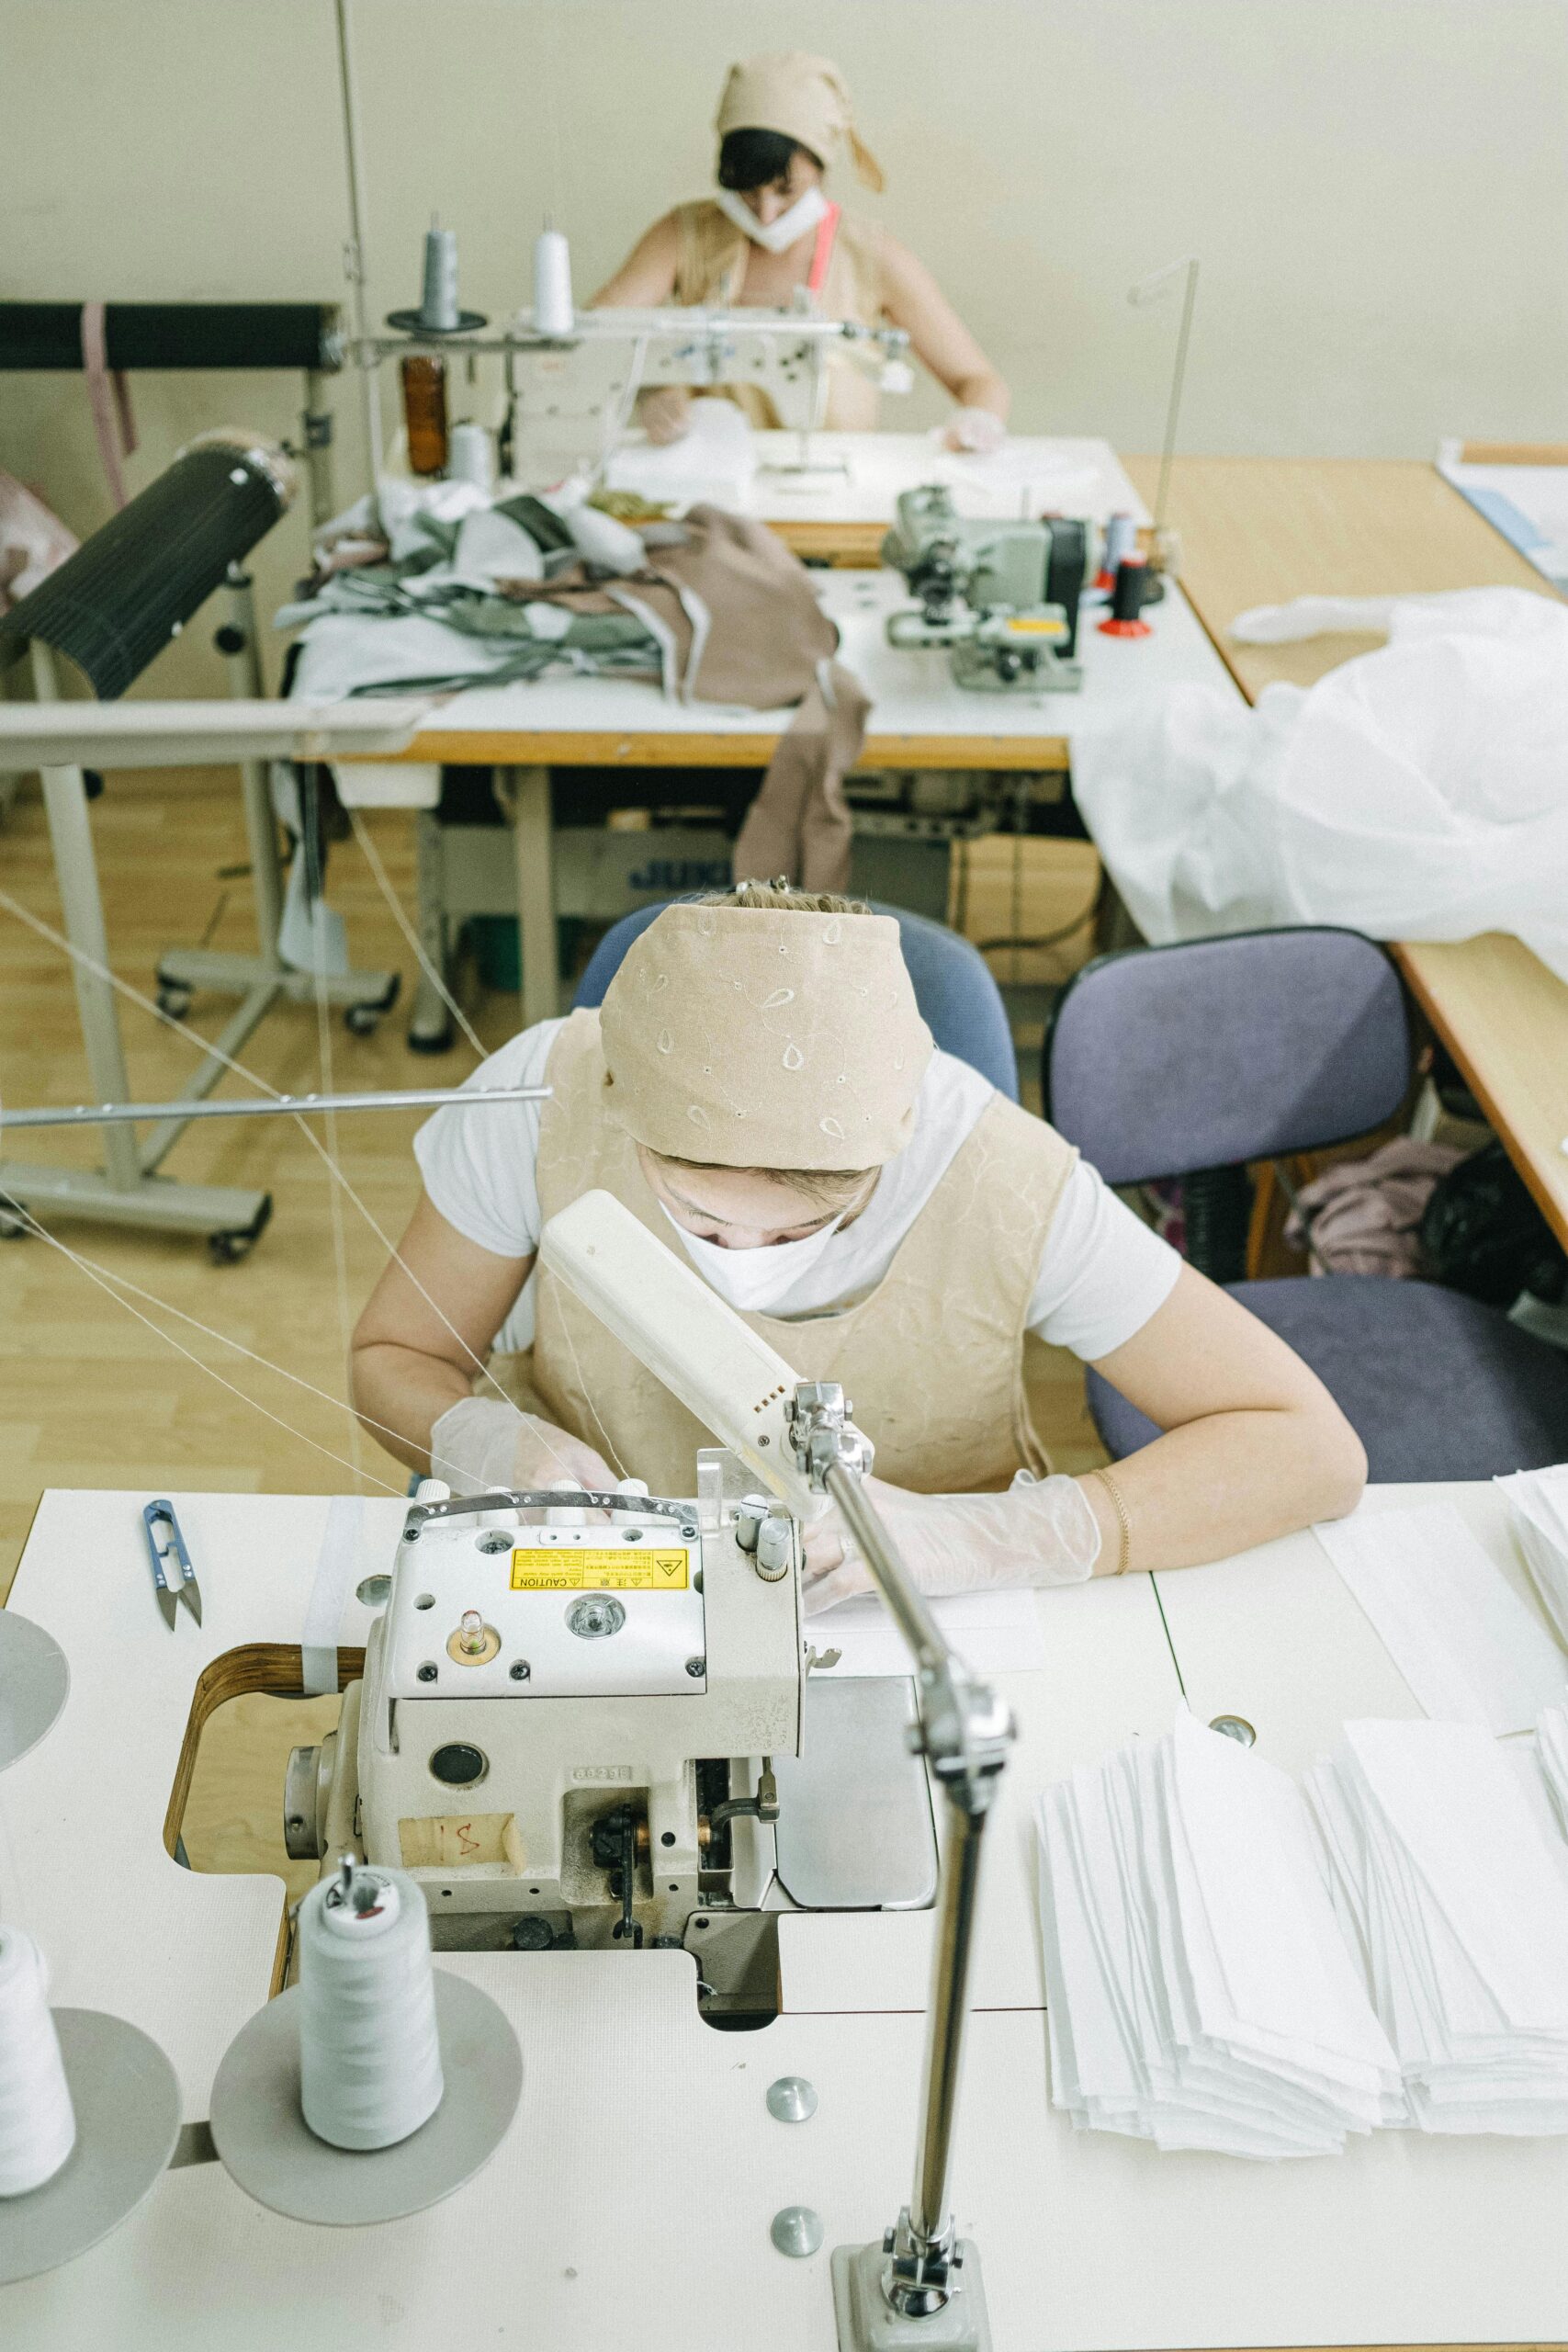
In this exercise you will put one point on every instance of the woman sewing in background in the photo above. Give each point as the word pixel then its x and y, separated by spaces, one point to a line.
pixel 784 120
pixel 761 1092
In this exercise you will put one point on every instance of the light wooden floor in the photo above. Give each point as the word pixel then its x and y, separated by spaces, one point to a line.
pixel 91 1398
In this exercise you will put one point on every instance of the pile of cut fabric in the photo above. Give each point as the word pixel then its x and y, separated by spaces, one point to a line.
pixel 439 587
pixel 1199 1992
pixel 1235 1966
pixel 1451 1879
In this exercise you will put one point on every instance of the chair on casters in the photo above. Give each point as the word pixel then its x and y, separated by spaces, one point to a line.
pixel 1166 1060
pixel 959 1001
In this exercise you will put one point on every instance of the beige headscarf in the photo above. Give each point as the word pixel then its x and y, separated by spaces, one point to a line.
pixel 803 97
pixel 755 1037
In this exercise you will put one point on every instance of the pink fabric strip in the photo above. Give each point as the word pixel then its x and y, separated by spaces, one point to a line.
pixel 822 251
pixel 110 400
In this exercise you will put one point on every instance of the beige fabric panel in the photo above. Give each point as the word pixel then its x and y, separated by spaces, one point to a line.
pixel 931 1357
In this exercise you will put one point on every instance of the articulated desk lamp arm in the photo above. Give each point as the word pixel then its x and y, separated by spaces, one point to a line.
pixel 798 1440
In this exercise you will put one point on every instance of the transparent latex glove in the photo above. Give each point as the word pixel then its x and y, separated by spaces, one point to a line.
pixel 665 413
pixel 978 430
pixel 1041 1532
pixel 481 1443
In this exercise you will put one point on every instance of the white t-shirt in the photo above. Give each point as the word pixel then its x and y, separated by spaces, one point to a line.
pixel 1102 1271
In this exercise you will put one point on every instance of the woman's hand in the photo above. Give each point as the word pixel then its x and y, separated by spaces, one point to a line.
pixel 665 413
pixel 1041 1532
pixel 543 1455
pixel 977 430
pixel 482 1444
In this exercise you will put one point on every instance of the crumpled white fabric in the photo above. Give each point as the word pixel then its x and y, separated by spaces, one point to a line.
pixel 1417 792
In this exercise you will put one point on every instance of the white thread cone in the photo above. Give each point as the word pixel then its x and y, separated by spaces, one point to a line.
pixel 37 2122
pixel 369 2054
pixel 552 284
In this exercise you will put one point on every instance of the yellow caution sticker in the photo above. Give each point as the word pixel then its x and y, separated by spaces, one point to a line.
pixel 1041 625
pixel 607 1571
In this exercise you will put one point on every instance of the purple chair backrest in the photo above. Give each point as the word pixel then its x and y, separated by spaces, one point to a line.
pixel 1167 1060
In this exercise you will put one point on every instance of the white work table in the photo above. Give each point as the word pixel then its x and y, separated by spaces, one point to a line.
pixel 633 2193
pixel 919 718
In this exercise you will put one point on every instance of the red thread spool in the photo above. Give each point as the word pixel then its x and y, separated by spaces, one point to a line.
pixel 1127 599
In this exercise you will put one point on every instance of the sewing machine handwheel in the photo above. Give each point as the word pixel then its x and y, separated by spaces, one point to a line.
pixel 173 1000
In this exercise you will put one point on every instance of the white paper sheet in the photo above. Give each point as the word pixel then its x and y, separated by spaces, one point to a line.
pixel 1537 1514
pixel 994 1633
pixel 1466 1644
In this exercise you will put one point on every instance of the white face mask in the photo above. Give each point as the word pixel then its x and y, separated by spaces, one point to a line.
pixel 774 236
pixel 754 1280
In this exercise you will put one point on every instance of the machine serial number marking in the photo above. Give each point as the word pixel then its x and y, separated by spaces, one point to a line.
pixel 586 1571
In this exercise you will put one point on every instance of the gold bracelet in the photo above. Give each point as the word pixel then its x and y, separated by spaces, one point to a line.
pixel 1111 1489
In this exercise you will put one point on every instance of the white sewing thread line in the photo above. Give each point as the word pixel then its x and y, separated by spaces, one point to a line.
pixel 15 1208
pixel 108 1279
pixel 395 908
pixel 91 964
pixel 216 1052
pixel 125 988
pixel 335 1202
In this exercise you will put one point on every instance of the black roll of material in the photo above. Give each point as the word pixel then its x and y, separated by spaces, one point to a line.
pixel 119 599
pixel 175 334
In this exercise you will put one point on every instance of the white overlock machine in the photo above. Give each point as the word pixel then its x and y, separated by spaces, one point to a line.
pixel 603 1722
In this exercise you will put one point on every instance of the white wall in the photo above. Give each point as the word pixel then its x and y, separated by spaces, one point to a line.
pixel 1377 190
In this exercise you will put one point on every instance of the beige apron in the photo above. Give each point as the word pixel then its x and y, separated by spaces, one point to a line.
pixel 932 1358
pixel 710 269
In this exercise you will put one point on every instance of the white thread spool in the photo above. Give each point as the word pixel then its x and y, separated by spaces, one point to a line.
pixel 471 457
pixel 37 2122
pixel 369 2053
pixel 438 302
pixel 553 312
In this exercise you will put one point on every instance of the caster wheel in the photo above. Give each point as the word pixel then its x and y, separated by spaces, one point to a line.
pixel 363 1020
pixel 431 1041
pixel 173 1000
pixel 227 1246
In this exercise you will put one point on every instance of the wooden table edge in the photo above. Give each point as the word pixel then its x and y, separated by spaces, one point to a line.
pixel 518 747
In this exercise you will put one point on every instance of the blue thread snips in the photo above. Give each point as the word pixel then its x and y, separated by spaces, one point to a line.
pixel 166 1548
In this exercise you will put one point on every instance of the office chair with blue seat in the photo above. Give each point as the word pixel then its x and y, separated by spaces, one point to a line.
pixel 959 1001
pixel 1163 1061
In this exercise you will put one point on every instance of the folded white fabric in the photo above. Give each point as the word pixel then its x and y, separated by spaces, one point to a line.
pixel 1198 1993
pixel 1468 1648
pixel 1537 1513
pixel 1454 1892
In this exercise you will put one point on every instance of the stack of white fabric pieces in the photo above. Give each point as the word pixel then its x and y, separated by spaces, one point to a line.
pixel 1537 1513
pixel 1452 1886
pixel 1199 1991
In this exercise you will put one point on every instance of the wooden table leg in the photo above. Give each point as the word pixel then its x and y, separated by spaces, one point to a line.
pixel 530 796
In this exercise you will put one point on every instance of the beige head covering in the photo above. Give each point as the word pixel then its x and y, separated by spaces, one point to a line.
pixel 755 1037
pixel 805 98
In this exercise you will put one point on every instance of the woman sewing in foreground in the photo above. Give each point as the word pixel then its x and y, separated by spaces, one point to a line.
pixel 761 1092
pixel 771 231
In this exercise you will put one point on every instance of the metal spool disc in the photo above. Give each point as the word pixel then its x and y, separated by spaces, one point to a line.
pixel 268 2148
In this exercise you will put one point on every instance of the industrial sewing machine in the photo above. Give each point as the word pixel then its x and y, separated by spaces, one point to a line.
pixel 1003 596
pixel 618 1700
pixel 577 1730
